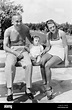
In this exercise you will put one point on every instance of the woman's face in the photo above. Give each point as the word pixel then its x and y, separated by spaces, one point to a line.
pixel 52 28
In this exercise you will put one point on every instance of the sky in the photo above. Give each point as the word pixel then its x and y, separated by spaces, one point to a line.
pixel 37 11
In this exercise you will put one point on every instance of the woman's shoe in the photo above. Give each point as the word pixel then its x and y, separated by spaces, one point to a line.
pixel 49 93
pixel 30 95
pixel 10 97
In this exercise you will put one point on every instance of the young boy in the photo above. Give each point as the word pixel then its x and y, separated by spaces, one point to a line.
pixel 36 49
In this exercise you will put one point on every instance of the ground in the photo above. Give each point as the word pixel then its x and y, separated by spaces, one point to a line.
pixel 61 83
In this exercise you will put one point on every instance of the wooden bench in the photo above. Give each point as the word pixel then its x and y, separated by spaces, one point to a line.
pixel 62 64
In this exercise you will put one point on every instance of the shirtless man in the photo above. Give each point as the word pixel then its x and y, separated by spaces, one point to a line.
pixel 14 45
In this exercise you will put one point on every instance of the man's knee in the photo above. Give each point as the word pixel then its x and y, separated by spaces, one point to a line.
pixel 29 64
pixel 10 65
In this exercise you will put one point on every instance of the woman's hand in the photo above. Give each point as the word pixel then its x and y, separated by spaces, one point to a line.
pixel 44 51
pixel 66 63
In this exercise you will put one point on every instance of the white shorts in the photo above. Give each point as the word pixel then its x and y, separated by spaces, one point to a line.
pixel 57 51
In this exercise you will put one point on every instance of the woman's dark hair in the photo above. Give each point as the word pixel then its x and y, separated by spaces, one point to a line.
pixel 50 22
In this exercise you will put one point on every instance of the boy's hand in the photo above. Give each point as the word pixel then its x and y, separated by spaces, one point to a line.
pixel 32 58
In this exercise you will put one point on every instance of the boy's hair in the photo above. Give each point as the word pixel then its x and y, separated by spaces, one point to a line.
pixel 35 37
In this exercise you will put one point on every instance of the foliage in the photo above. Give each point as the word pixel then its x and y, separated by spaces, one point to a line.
pixel 7 9
pixel 37 26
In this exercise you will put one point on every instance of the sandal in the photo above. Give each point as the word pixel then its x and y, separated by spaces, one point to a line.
pixel 30 95
pixel 49 93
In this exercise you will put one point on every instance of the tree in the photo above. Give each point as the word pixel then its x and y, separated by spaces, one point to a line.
pixel 8 8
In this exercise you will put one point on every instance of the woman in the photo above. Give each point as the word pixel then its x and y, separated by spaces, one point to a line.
pixel 55 52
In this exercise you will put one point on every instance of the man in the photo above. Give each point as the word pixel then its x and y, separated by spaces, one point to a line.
pixel 14 45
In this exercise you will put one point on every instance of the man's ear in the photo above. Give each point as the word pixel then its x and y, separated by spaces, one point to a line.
pixel 12 22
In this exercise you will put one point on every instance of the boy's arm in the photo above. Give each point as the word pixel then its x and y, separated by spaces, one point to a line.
pixel 41 49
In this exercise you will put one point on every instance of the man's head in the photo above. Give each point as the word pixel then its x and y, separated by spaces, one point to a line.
pixel 17 21
pixel 36 40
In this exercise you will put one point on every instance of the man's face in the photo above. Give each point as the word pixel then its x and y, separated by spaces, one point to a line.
pixel 52 28
pixel 17 21
pixel 36 41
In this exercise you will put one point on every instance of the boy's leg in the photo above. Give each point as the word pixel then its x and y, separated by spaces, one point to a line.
pixel 38 59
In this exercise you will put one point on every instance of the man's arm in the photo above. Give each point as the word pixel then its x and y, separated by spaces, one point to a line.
pixel 6 43
pixel 29 36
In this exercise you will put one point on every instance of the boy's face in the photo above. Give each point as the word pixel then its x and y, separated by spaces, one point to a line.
pixel 17 21
pixel 36 41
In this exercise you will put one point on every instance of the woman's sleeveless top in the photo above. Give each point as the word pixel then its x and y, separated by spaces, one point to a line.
pixel 57 48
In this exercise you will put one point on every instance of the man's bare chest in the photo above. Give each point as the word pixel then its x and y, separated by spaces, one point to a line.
pixel 17 36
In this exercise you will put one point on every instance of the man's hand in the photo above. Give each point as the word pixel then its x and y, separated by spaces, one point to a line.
pixel 19 57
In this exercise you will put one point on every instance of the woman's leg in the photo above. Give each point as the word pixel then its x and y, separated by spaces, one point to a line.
pixel 54 60
pixel 43 75
pixel 50 63
pixel 44 59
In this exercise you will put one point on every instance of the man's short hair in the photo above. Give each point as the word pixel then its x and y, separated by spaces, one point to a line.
pixel 16 14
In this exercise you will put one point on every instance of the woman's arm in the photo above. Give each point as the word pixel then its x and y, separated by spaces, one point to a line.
pixel 47 44
pixel 65 48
